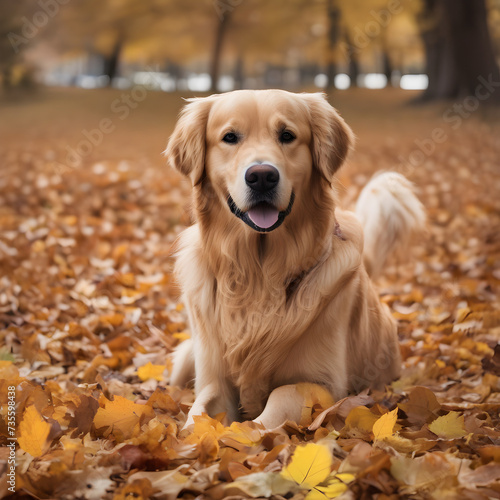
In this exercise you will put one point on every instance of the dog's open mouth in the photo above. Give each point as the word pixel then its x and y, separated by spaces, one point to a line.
pixel 263 216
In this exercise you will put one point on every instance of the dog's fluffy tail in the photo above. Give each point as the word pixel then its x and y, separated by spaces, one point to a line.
pixel 390 214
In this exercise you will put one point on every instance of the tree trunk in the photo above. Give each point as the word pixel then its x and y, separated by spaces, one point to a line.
pixel 222 26
pixel 333 12
pixel 353 70
pixel 458 48
pixel 387 67
pixel 470 42
pixel 238 73
pixel 112 62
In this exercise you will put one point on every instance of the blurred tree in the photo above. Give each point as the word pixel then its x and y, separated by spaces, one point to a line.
pixel 333 36
pixel 224 12
pixel 353 58
pixel 252 33
pixel 375 33
pixel 110 28
pixel 17 30
pixel 458 48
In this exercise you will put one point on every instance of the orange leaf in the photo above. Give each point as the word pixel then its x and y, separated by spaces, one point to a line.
pixel 34 432
pixel 149 370
pixel 360 421
pixel 121 414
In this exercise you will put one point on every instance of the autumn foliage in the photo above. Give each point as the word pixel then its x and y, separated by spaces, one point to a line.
pixel 89 314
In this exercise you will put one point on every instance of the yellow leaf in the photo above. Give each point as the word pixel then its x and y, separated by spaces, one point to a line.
pixel 335 487
pixel 361 418
pixel 403 445
pixel 181 336
pixel 121 414
pixel 462 314
pixel 209 448
pixel 384 426
pixel 151 371
pixel 243 433
pixel 8 371
pixel 410 316
pixel 345 477
pixel 203 424
pixel 313 394
pixel 310 465
pixel 331 491
pixel 33 432
pixel 449 426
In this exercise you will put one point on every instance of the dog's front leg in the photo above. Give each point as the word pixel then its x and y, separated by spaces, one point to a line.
pixel 214 393
pixel 183 364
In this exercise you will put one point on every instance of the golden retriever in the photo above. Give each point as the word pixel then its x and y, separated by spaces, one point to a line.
pixel 273 275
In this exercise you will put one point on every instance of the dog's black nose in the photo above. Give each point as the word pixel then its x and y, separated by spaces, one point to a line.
pixel 262 178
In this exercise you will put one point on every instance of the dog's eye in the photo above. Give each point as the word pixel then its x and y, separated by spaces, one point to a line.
pixel 286 137
pixel 230 138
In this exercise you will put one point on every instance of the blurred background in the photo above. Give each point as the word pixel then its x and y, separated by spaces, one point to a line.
pixel 438 46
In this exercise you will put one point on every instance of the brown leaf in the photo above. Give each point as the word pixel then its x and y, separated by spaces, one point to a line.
pixel 421 407
pixel 84 414
pixel 492 364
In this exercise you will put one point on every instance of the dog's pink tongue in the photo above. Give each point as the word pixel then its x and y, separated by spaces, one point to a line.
pixel 263 215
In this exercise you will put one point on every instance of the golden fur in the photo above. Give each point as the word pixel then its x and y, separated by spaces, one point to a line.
pixel 292 305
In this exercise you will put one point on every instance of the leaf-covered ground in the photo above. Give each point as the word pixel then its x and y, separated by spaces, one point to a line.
pixel 89 314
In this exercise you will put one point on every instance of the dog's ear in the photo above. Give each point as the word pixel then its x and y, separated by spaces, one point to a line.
pixel 186 147
pixel 332 138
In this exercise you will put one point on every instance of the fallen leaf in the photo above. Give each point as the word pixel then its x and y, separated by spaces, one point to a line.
pixel 261 484
pixel 360 421
pixel 384 426
pixel 449 426
pixel 33 432
pixel 149 370
pixel 422 405
pixel 121 415
pixel 333 487
pixel 309 466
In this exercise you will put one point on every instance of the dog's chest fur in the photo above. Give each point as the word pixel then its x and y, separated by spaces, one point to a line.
pixel 252 315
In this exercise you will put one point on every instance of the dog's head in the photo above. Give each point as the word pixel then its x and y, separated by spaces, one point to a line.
pixel 259 149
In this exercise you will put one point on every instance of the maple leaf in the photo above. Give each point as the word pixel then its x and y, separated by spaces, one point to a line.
pixel 161 400
pixel 121 415
pixel 203 424
pixel 33 432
